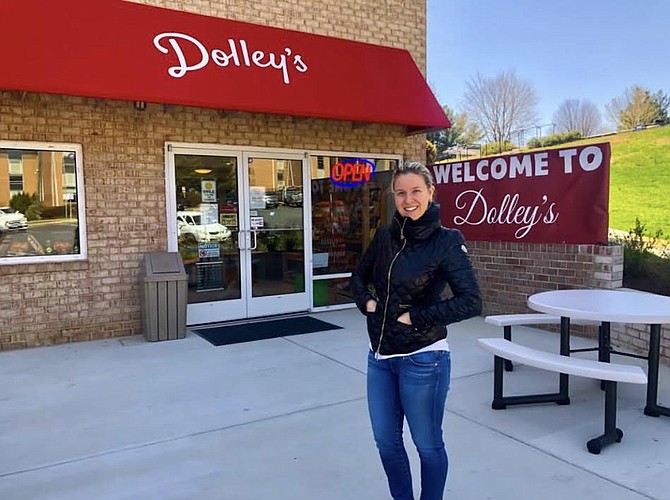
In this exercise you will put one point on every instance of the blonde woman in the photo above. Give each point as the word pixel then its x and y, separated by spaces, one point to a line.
pixel 399 285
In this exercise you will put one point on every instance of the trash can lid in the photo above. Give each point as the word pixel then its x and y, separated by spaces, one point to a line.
pixel 161 264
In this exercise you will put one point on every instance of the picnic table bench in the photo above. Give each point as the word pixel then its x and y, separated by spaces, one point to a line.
pixel 504 350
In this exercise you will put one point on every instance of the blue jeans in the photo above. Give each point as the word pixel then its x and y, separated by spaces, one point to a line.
pixel 413 387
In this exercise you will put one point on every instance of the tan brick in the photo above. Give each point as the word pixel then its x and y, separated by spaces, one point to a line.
pixel 123 154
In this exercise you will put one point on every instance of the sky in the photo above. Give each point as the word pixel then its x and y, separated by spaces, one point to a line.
pixel 565 49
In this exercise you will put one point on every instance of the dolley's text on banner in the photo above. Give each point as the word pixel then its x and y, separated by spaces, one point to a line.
pixel 552 196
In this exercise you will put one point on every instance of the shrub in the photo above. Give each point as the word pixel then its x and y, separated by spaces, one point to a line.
pixel 496 148
pixel 188 248
pixel 554 139
pixel 53 212
pixel 21 201
pixel 431 152
pixel 646 264
pixel 35 211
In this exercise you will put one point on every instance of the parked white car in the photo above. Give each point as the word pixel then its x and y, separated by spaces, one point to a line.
pixel 190 222
pixel 11 219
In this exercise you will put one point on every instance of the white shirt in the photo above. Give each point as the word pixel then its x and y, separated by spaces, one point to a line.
pixel 440 345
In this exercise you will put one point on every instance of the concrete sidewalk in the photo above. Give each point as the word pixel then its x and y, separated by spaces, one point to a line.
pixel 286 419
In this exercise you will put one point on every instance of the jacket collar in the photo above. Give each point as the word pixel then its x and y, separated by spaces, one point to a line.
pixel 420 229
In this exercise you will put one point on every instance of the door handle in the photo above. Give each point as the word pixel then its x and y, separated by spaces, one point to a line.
pixel 255 235
pixel 241 239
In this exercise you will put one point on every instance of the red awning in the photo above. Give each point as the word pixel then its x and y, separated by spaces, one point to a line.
pixel 121 50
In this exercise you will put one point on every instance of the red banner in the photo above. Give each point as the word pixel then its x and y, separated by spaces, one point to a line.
pixel 552 196
pixel 122 50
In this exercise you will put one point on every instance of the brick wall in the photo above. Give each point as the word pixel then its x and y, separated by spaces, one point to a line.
pixel 636 339
pixel 510 272
pixel 124 170
pixel 393 23
pixel 124 167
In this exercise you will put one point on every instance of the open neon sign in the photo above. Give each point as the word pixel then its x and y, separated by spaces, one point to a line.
pixel 353 172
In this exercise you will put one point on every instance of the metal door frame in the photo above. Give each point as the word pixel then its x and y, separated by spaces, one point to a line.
pixel 247 306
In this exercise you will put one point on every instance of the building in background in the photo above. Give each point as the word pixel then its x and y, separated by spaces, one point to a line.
pixel 254 138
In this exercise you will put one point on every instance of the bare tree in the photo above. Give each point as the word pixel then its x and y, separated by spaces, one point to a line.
pixel 582 116
pixel 499 104
pixel 635 107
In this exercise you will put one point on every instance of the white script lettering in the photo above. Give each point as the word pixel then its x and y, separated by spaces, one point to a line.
pixel 510 213
pixel 180 43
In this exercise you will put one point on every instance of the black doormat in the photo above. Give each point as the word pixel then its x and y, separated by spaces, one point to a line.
pixel 247 332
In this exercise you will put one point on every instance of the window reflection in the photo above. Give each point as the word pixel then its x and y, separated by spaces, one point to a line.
pixel 344 219
pixel 208 226
pixel 39 213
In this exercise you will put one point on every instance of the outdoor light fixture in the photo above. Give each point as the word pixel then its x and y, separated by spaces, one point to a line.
pixel 140 105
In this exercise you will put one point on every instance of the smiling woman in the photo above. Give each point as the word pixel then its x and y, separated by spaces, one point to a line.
pixel 413 190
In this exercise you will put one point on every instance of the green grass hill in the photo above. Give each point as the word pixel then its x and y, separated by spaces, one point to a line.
pixel 639 178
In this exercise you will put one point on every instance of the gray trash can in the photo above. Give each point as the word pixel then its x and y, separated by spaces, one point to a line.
pixel 164 290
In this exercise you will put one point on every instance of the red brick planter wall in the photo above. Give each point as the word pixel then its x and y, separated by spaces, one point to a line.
pixel 509 272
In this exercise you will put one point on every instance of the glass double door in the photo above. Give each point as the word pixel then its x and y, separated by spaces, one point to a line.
pixel 239 225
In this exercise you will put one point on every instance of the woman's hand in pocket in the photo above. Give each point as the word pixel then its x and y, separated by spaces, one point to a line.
pixel 405 319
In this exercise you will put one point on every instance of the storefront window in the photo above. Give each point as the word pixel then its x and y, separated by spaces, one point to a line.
pixel 41 201
pixel 207 225
pixel 347 208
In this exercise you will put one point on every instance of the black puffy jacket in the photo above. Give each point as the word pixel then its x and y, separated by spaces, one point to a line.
pixel 407 268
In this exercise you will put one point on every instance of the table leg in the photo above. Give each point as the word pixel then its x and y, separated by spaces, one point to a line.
pixel 507 333
pixel 612 434
pixel 653 409
pixel 604 342
pixel 563 379
pixel 604 346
